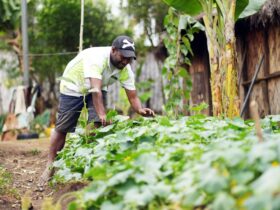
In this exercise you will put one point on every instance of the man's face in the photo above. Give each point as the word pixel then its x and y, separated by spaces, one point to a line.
pixel 118 60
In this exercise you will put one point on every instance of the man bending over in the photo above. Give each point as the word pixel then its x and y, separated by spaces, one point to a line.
pixel 90 73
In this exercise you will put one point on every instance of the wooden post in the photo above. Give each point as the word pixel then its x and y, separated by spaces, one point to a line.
pixel 82 26
pixel 266 68
pixel 24 41
pixel 256 117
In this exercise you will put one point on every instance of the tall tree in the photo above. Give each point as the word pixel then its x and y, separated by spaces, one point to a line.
pixel 219 18
pixel 56 28
pixel 148 12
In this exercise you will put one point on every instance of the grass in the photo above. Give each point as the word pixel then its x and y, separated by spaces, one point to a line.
pixel 6 182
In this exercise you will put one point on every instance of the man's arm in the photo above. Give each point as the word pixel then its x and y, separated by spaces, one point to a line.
pixel 97 99
pixel 136 104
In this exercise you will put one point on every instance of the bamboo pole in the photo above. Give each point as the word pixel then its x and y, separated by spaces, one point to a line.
pixel 81 26
pixel 251 86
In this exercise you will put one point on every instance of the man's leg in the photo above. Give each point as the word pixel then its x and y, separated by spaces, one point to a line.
pixel 68 114
pixel 57 143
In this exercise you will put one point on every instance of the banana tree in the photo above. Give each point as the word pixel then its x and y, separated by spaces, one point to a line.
pixel 219 17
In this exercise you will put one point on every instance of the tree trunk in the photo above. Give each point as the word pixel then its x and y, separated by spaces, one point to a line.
pixel 16 45
pixel 216 77
pixel 230 94
pixel 221 46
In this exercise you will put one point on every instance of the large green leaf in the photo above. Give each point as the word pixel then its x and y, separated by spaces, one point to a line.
pixel 244 8
pixel 253 7
pixel 190 7
pixel 240 6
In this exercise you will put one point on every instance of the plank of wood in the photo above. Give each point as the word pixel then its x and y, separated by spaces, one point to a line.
pixel 274 93
pixel 274 46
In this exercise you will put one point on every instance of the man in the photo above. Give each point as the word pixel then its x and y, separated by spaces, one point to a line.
pixel 90 73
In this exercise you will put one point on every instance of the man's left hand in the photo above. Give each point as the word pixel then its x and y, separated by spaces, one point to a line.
pixel 146 112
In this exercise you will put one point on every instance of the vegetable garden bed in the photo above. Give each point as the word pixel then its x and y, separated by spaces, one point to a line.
pixel 194 162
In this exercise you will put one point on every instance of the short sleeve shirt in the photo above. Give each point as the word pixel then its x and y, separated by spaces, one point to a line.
pixel 94 63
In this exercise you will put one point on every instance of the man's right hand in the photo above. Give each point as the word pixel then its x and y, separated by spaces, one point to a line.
pixel 97 100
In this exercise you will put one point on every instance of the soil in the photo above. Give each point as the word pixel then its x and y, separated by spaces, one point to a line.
pixel 26 160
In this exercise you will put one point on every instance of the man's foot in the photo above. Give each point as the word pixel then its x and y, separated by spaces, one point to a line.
pixel 46 176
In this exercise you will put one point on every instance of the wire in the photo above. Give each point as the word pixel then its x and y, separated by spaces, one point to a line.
pixel 50 54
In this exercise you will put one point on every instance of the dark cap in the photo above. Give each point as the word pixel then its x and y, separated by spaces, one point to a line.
pixel 125 45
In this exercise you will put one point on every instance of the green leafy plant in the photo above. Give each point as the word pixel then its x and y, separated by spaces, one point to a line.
pixel 192 162
pixel 197 109
pixel 180 32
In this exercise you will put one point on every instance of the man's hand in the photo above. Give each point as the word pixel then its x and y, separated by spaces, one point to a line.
pixel 103 120
pixel 136 104
pixel 146 112
pixel 97 99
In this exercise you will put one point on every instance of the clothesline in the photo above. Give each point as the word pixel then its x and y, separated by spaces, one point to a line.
pixel 50 54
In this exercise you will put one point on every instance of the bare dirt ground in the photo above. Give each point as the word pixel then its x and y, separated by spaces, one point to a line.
pixel 26 160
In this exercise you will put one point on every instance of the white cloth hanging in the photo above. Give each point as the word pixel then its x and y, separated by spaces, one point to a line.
pixel 20 106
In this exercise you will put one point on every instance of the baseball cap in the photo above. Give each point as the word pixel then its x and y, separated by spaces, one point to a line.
pixel 125 45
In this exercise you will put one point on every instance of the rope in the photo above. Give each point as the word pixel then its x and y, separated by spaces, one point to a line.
pixel 49 54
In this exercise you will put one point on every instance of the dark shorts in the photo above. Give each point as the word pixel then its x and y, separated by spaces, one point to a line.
pixel 69 110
